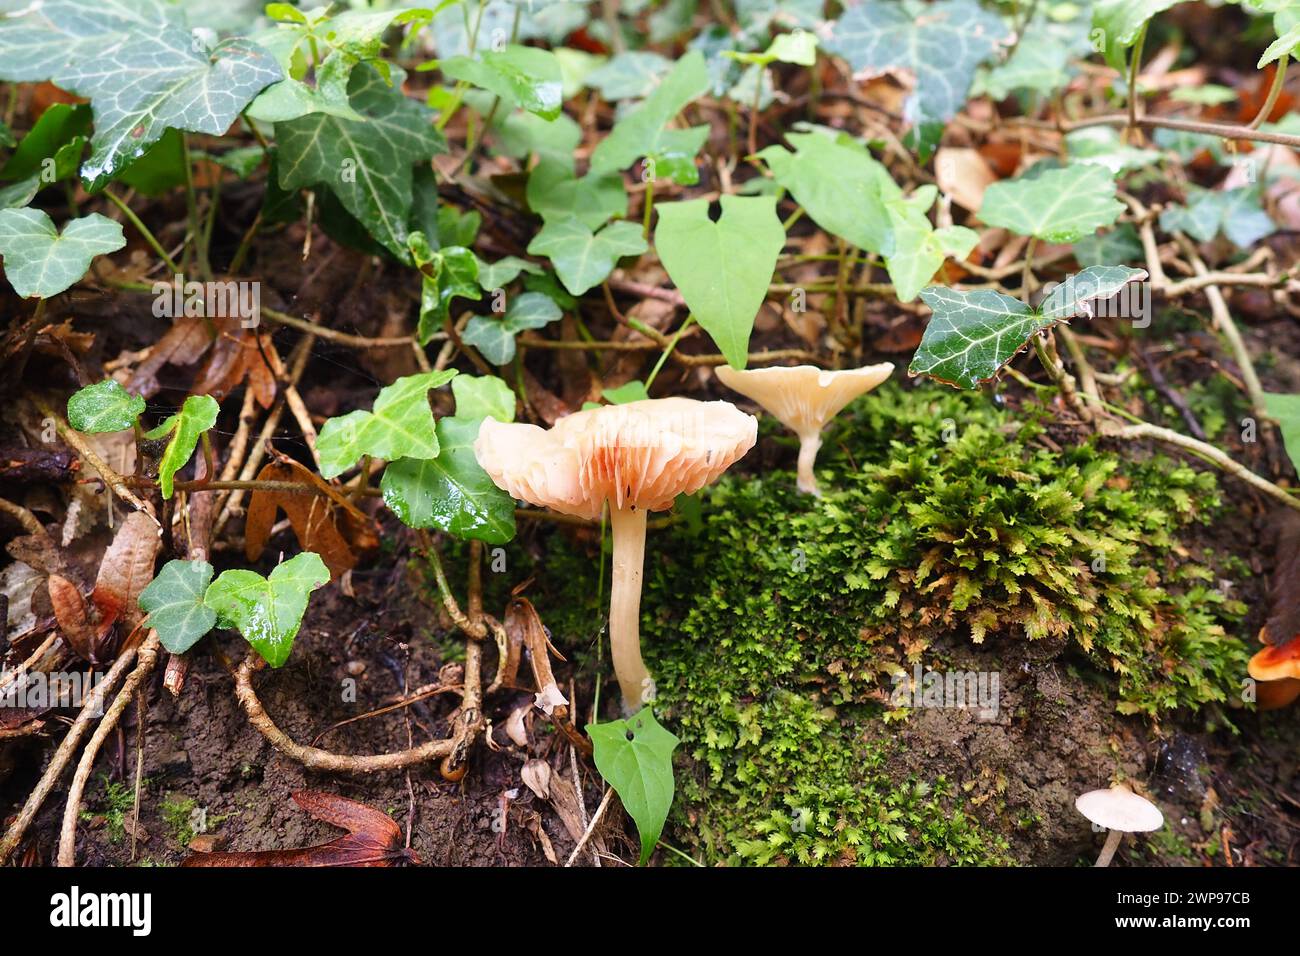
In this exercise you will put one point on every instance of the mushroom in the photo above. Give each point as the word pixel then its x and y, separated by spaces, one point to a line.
pixel 1277 669
pixel 1119 810
pixel 804 398
pixel 639 457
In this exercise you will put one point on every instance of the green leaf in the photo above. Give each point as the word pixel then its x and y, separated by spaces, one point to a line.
pixel 1040 64
pixel 633 391
pixel 141 68
pixel 583 258
pixel 499 274
pixel 1059 205
pixel 941 44
pixel 268 611
pixel 1111 248
pixel 1236 213
pixel 839 185
pixel 972 335
pixel 495 337
pixel 483 396
pixel 291 98
pixel 174 602
pixel 60 125
pixel 451 492
pixel 104 407
pixel 629 76
pixel 642 132
pixel 197 415
pixel 555 193
pixel 450 272
pixel 40 262
pixel 1286 410
pixel 919 248
pixel 1117 23
pixel 1103 146
pixel 367 165
pixel 722 268
pixel 523 75
pixel 399 426
pixel 799 47
pixel 635 757
pixel 1075 295
pixel 1285 45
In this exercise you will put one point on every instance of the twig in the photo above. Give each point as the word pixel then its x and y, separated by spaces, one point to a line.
pixel 343 338
pixel 591 827
pixel 146 657
pixel 87 454
pixel 59 762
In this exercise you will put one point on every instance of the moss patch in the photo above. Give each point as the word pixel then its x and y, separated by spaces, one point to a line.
pixel 774 623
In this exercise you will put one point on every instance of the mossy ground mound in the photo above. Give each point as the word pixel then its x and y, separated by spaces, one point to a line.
pixel 953 535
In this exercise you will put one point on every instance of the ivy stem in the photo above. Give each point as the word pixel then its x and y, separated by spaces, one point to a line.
pixel 672 344
pixel 144 231
pixel 1135 65
pixel 1274 91
pixel 649 205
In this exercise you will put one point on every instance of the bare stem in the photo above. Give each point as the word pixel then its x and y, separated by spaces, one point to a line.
pixel 634 680
pixel 809 445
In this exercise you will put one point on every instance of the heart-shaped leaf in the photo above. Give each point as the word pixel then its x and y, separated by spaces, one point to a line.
pixel 629 76
pixel 839 185
pixel 268 611
pixel 367 165
pixel 174 602
pixel 104 407
pixel 635 757
pixel 555 193
pixel 449 272
pixel 40 262
pixel 451 492
pixel 1237 213
pixel 722 268
pixel 483 396
pixel 522 75
pixel 644 132
pixel 1057 205
pixel 399 426
pixel 583 259
pixel 499 274
pixel 495 337
pixel 197 415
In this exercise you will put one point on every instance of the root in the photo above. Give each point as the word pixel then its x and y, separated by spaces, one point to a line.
pixel 146 658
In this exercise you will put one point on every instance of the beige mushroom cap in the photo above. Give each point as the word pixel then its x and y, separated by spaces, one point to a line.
pixel 1119 808
pixel 803 397
pixel 641 454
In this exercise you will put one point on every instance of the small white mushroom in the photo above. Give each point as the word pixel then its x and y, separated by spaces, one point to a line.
pixel 804 398
pixel 1119 810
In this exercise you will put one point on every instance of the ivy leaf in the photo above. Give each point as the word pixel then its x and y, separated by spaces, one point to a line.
pixel 61 125
pixel 1286 409
pixel 197 415
pixel 483 396
pixel 518 74
pixel 1041 62
pixel 1058 205
pixel 583 258
pixel 141 68
pixel 635 757
pixel 1113 247
pixel 495 337
pixel 920 249
pixel 1236 213
pixel 554 192
pixel 40 262
pixel 839 184
pixel 633 391
pixel 104 407
pixel 722 268
pixel 972 335
pixel 629 75
pixel 642 132
pixel 940 44
pixel 1076 294
pixel 1284 45
pixel 449 272
pixel 367 165
pixel 267 611
pixel 499 274
pixel 451 492
pixel 174 602
pixel 399 426
pixel 799 47
pixel 1117 23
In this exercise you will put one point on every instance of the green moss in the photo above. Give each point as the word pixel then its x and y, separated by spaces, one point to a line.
pixel 178 817
pixel 116 801
pixel 773 622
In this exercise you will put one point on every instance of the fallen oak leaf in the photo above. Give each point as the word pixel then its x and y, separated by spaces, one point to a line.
pixel 237 354
pixel 373 839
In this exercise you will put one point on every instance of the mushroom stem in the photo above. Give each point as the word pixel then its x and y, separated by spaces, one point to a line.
pixel 1109 848
pixel 625 606
pixel 809 444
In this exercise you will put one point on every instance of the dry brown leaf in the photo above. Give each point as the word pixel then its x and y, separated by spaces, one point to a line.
pixel 964 175
pixel 326 523
pixel 125 571
pixel 183 344
pixel 70 611
pixel 238 354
